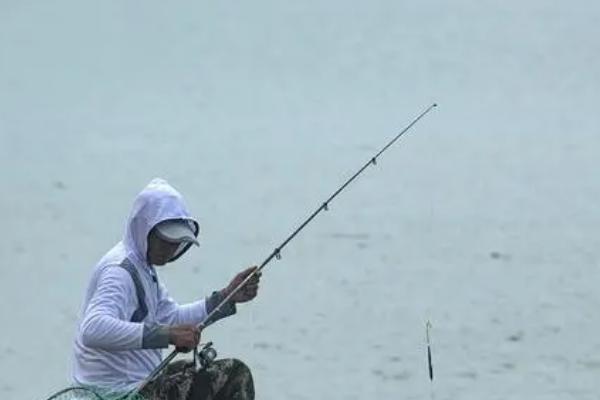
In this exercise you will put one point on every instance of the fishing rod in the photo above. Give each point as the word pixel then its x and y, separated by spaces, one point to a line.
pixel 277 251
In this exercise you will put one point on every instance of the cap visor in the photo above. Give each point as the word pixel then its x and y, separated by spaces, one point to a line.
pixel 176 231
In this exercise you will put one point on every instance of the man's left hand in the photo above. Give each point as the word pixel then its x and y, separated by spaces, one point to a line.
pixel 246 292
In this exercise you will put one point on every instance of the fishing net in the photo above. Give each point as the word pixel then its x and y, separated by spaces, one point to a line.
pixel 81 393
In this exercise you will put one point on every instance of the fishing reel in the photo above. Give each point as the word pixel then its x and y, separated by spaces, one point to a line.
pixel 206 355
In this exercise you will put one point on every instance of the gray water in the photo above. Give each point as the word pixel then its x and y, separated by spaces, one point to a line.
pixel 484 219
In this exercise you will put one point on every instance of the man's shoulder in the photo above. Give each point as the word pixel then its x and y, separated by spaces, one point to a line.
pixel 112 267
pixel 113 271
pixel 114 256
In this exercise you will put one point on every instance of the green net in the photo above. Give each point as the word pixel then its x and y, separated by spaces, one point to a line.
pixel 82 393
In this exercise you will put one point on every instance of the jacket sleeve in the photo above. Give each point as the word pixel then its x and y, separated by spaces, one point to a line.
pixel 169 312
pixel 105 324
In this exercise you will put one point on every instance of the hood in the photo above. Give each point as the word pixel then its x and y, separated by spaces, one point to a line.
pixel 157 202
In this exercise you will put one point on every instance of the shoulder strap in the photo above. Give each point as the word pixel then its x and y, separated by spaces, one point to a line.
pixel 142 310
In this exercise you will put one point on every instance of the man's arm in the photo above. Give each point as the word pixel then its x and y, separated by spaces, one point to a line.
pixel 106 324
pixel 172 313
pixel 169 312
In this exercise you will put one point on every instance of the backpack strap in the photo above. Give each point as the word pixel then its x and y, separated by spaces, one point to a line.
pixel 142 311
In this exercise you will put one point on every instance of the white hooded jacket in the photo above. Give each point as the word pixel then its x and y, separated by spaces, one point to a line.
pixel 112 350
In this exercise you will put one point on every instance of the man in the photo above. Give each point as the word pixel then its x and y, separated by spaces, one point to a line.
pixel 128 316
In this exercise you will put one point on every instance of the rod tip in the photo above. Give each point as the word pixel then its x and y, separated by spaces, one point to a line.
pixel 434 104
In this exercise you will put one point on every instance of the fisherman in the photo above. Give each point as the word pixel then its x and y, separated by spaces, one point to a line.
pixel 128 317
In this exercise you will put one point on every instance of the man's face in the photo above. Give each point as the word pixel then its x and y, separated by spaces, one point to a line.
pixel 160 251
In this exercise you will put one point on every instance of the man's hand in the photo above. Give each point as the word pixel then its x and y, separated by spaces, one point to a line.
pixel 248 291
pixel 184 337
